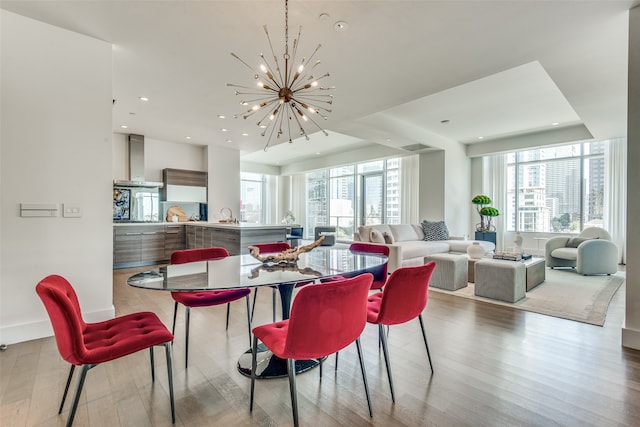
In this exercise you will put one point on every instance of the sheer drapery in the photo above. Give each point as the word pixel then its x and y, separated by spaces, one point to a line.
pixel 409 188
pixel 615 203
pixel 299 202
pixel 494 185
pixel 271 200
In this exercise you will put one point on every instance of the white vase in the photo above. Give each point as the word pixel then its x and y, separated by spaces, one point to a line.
pixel 475 250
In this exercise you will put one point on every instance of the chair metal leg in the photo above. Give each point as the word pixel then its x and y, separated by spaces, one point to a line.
pixel 337 353
pixel 424 336
pixel 255 296
pixel 76 398
pixel 249 317
pixel 228 310
pixel 254 366
pixel 385 351
pixel 175 312
pixel 291 368
pixel 273 299
pixel 167 349
pixel 66 388
pixel 153 365
pixel 364 376
pixel 187 315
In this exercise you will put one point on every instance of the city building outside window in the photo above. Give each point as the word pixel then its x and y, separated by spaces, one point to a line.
pixel 556 189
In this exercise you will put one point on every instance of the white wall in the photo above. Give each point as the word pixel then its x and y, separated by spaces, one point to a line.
pixel 631 329
pixel 55 148
pixel 431 193
pixel 457 190
pixel 224 181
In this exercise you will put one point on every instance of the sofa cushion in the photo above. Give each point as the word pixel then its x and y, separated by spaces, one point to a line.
pixel 388 238
pixel 435 230
pixel 574 242
pixel 365 233
pixel 420 248
pixel 376 236
pixel 403 232
pixel 565 253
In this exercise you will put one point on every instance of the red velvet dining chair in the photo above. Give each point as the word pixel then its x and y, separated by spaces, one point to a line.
pixel 372 248
pixel 88 344
pixel 204 298
pixel 404 298
pixel 325 318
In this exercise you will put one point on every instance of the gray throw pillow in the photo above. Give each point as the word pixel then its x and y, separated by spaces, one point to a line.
pixel 435 230
pixel 574 242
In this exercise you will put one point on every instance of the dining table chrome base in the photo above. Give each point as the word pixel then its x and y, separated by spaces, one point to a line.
pixel 271 366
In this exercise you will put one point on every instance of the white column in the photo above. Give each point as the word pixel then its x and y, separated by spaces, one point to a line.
pixel 631 328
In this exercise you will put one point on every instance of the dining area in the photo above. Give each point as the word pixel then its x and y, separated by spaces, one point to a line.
pixel 326 298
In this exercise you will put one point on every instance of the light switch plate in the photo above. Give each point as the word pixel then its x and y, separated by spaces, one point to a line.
pixel 71 211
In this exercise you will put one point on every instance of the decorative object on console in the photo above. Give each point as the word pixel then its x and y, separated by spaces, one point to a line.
pixel 476 250
pixel 286 94
pixel 486 213
pixel 435 230
pixel 517 242
pixel 288 218
pixel 286 256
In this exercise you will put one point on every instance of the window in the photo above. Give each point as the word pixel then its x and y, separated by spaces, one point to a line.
pixel 252 198
pixel 556 189
pixel 353 195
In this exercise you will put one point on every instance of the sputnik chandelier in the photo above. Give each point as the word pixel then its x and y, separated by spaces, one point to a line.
pixel 286 98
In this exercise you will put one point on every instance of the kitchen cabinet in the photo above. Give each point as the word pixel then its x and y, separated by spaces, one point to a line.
pixel 138 245
pixel 184 186
pixel 174 239
pixel 233 237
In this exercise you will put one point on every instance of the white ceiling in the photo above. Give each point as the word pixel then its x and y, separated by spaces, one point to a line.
pixel 494 69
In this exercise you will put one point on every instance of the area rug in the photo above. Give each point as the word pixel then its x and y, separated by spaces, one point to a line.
pixel 564 294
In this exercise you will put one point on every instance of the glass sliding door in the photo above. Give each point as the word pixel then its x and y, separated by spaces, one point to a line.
pixel 372 199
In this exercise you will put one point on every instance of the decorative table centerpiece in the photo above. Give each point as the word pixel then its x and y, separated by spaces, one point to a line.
pixel 287 256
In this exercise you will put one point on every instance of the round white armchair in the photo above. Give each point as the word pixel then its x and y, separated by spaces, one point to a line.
pixel 591 252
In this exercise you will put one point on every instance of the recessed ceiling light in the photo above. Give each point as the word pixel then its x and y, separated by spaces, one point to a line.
pixel 263 126
pixel 317 153
pixel 388 140
pixel 187 137
pixel 555 124
pixel 341 26
pixel 481 137
pixel 245 134
pixel 124 126
pixel 223 130
pixel 323 16
pixel 143 98
pixel 445 121
pixel 221 116
pixel 228 140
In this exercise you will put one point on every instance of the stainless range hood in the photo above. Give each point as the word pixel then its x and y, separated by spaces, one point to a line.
pixel 136 165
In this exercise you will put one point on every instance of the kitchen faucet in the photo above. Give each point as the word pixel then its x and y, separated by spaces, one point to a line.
pixel 231 218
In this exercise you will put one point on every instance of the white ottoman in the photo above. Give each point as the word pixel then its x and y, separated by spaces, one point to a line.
pixel 501 280
pixel 451 271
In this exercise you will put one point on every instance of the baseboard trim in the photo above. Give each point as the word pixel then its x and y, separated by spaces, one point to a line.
pixel 42 328
pixel 631 338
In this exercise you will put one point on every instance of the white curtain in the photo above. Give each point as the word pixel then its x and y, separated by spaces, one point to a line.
pixel 409 188
pixel 299 202
pixel 615 203
pixel 494 185
pixel 271 200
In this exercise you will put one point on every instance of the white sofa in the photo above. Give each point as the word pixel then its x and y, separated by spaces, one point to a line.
pixel 407 246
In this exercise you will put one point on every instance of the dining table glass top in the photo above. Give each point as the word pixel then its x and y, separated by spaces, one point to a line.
pixel 243 271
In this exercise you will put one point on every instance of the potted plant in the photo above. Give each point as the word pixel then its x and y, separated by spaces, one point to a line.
pixel 486 213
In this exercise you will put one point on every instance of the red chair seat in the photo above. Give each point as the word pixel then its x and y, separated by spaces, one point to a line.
pixel 209 298
pixel 115 338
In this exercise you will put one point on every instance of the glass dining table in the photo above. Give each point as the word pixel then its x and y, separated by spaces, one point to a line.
pixel 245 271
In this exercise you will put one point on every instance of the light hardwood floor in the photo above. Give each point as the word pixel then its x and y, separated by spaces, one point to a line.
pixel 494 366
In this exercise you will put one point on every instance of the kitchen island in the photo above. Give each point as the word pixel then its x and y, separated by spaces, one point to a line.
pixel 233 237
pixel 142 244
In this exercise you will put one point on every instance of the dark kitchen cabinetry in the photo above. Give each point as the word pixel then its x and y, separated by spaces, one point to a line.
pixel 138 245
pixel 174 239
